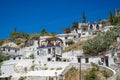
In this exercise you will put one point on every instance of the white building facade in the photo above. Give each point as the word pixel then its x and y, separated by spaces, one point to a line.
pixel 84 31
pixel 49 47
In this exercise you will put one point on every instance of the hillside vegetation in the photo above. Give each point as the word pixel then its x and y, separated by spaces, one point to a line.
pixel 75 46
pixel 101 42
pixel 21 37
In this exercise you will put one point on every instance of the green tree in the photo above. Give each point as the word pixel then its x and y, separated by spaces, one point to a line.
pixel 34 36
pixel 1 42
pixel 70 42
pixel 111 18
pixel 83 18
pixel 106 74
pixel 24 35
pixel 101 42
pixel 33 67
pixel 91 75
pixel 75 26
pixel 4 57
pixel 14 34
pixel 21 78
pixel 32 56
pixel 53 33
pixel 95 66
pixel 116 20
pixel 43 32
pixel 67 30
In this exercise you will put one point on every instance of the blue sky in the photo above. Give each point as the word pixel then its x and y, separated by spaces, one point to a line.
pixel 33 15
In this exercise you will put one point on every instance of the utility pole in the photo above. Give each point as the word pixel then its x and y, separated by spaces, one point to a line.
pixel 79 61
pixel 56 75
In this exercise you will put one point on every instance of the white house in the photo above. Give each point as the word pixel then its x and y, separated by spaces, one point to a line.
pixel 88 29
pixel 68 37
pixel 84 31
pixel 16 57
pixel 106 28
pixel 49 47
pixel 9 47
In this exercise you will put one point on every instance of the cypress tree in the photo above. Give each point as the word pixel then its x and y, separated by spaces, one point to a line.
pixel 83 18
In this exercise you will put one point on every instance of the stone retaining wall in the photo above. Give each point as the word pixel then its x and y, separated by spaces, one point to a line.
pixel 113 72
pixel 86 66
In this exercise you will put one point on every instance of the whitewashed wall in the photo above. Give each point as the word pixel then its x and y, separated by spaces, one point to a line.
pixel 7 69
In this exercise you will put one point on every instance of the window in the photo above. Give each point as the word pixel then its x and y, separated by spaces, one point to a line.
pixel 53 52
pixel 79 35
pixel 49 51
pixel 87 60
pixel 13 58
pixel 37 52
pixel 66 43
pixel 3 49
pixel 83 33
pixel 74 36
pixel 84 29
pixel 8 50
pixel 66 37
pixel 91 27
pixel 19 57
pixel 15 50
pixel 102 59
pixel 97 26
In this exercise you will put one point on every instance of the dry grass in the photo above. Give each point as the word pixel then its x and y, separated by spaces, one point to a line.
pixel 84 72
pixel 76 75
pixel 76 46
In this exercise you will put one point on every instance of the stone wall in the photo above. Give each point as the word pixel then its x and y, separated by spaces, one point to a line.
pixel 86 66
pixel 113 72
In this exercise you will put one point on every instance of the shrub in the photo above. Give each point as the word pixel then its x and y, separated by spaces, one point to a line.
pixel 71 72
pixel 51 68
pixel 4 57
pixel 32 56
pixel 101 42
pixel 91 75
pixel 70 42
pixel 59 68
pixel 95 66
pixel 106 74
pixel 21 78
pixel 32 67
pixel 18 43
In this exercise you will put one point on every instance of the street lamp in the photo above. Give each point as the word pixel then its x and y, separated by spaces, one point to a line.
pixel 56 75
pixel 79 61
